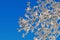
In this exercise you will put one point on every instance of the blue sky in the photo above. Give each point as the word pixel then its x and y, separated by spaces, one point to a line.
pixel 10 11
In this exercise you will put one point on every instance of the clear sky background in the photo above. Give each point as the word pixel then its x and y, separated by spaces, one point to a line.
pixel 10 11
